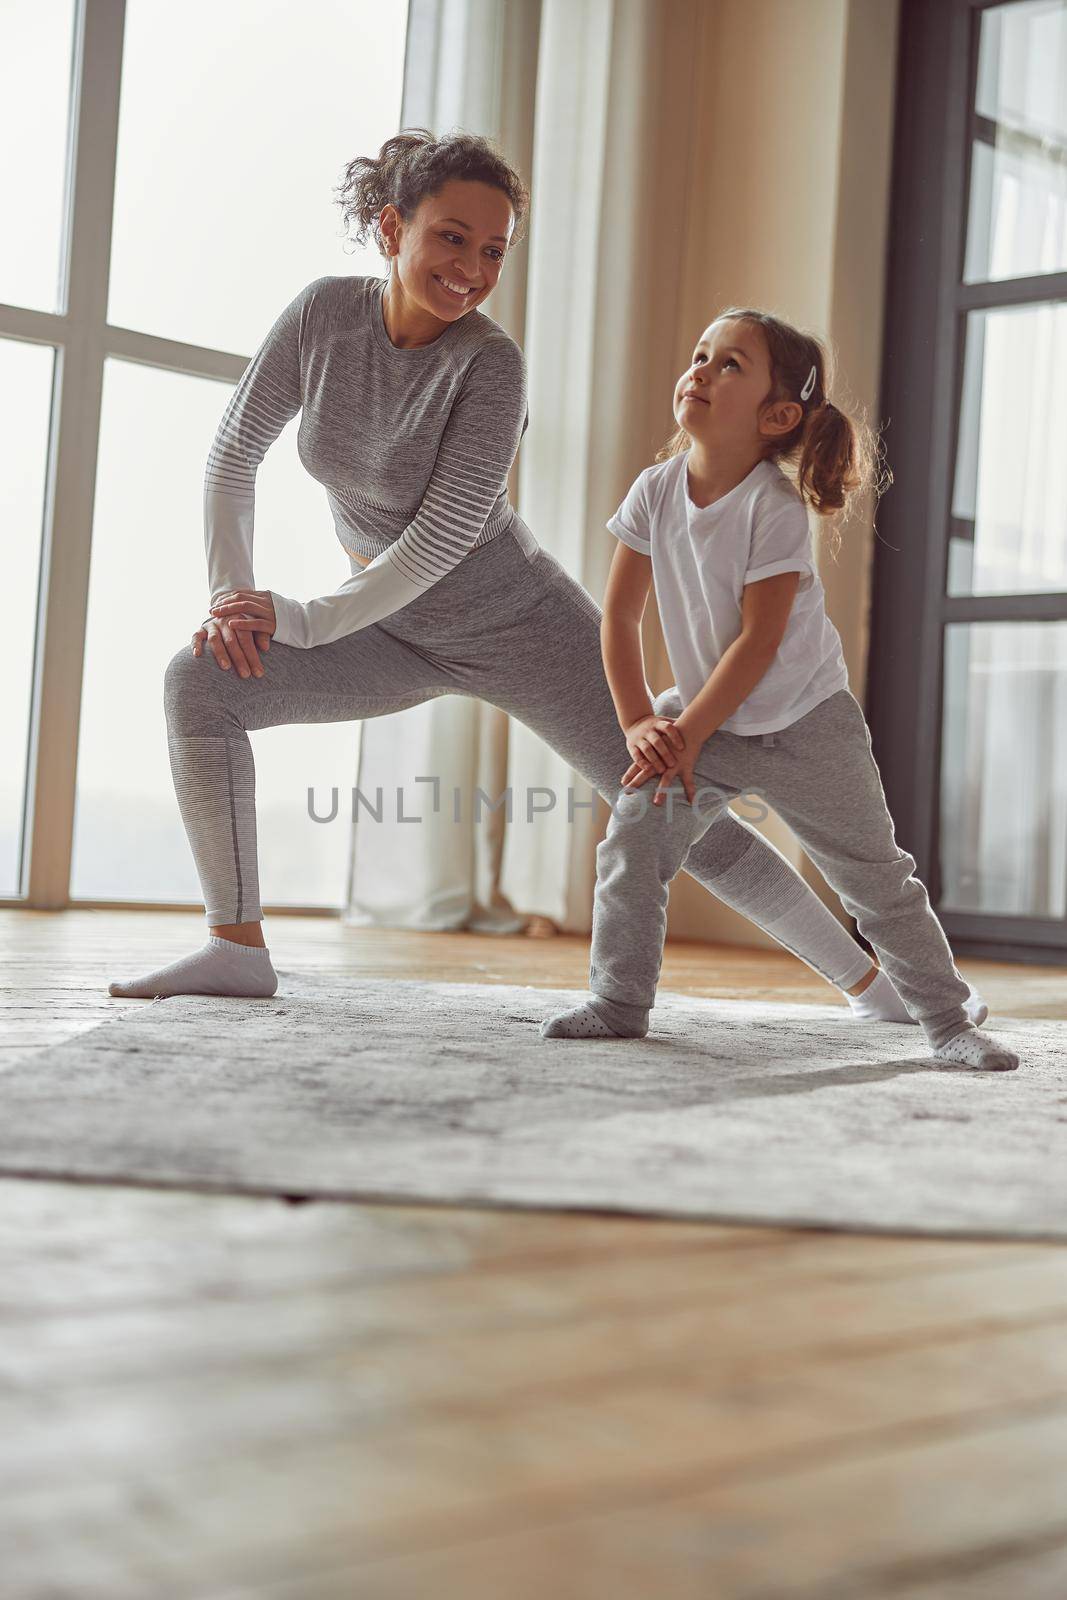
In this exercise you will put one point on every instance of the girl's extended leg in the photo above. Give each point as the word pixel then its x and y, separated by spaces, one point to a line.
pixel 820 775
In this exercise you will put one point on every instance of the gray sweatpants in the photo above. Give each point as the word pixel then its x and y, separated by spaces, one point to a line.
pixel 508 625
pixel 820 776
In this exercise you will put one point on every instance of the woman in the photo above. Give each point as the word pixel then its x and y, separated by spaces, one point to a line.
pixel 413 406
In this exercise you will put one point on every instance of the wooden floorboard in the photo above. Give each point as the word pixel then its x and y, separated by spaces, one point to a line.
pixel 229 1396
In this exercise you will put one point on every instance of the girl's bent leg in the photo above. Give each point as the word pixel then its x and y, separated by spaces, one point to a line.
pixel 638 857
pixel 641 852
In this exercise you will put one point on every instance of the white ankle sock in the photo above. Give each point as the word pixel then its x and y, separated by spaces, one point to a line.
pixel 880 1002
pixel 219 967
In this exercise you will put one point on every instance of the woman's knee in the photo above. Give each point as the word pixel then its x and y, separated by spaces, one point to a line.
pixel 191 683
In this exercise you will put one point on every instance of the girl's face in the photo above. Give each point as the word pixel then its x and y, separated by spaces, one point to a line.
pixel 457 239
pixel 719 395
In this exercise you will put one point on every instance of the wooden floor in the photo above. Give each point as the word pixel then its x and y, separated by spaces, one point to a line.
pixel 215 1396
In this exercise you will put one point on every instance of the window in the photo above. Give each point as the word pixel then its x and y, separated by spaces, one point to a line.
pixel 968 666
pixel 212 139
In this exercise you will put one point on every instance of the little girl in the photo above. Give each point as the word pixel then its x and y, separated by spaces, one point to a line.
pixel 761 702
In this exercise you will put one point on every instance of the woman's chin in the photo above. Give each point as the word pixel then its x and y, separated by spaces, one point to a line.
pixel 442 301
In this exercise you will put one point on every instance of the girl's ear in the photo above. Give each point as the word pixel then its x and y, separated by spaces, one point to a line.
pixel 782 416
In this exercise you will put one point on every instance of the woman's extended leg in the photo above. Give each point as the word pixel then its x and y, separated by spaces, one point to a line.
pixel 209 713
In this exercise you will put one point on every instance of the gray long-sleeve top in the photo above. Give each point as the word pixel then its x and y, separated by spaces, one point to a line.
pixel 414 447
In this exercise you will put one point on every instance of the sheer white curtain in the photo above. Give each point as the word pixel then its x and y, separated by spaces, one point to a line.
pixel 581 96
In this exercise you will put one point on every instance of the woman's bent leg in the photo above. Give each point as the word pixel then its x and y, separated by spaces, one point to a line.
pixel 210 712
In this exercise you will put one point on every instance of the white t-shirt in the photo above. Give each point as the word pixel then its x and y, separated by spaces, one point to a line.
pixel 702 557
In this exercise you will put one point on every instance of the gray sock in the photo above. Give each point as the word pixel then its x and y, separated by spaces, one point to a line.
pixel 218 967
pixel 973 1048
pixel 598 1018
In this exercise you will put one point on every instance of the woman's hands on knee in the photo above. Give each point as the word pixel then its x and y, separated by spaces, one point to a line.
pixel 240 620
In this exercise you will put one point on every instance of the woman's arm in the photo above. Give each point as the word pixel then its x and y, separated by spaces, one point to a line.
pixel 478 445
pixel 266 397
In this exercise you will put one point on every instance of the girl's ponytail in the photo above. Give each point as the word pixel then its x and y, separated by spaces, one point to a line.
pixel 830 470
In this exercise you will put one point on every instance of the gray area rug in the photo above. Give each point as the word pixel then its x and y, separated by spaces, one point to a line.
pixel 377 1089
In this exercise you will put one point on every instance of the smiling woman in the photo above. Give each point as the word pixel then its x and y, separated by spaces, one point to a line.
pixel 411 398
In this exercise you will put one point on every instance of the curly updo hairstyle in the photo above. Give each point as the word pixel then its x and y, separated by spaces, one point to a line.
pixel 413 165
pixel 831 456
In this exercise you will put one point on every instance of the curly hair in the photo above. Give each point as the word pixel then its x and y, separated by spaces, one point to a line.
pixel 413 165
pixel 834 456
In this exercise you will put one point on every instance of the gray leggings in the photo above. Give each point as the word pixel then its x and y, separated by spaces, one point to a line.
pixel 820 776
pixel 508 625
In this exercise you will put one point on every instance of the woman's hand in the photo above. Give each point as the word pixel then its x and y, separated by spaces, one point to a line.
pixel 240 620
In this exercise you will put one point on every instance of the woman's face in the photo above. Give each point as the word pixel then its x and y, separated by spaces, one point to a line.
pixel 456 240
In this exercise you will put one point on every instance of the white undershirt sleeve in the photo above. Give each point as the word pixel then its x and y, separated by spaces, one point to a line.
pixel 267 395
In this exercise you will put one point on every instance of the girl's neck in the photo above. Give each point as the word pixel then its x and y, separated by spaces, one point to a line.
pixel 712 476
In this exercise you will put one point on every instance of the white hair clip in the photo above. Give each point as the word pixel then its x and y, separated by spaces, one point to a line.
pixel 809 385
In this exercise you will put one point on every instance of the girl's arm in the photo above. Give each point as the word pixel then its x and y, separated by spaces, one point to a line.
pixel 625 598
pixel 765 608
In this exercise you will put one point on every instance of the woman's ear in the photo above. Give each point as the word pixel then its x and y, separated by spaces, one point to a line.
pixel 388 218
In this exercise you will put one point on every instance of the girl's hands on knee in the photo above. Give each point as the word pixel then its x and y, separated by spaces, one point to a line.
pixel 240 620
pixel 659 749
pixel 655 742
pixel 639 773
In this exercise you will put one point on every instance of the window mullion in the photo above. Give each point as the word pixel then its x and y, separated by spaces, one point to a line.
pixel 72 451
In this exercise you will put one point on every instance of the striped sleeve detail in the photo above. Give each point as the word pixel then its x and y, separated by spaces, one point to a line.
pixel 266 397
pixel 478 445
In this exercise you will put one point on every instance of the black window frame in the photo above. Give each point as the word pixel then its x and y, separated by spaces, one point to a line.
pixel 924 331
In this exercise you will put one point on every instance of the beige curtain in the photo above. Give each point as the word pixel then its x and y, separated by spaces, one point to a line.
pixel 573 91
